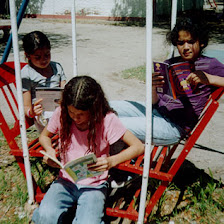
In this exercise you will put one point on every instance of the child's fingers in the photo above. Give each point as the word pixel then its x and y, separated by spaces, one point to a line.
pixel 50 162
pixel 158 80
pixel 102 164
pixel 192 79
pixel 37 109
pixel 38 106
pixel 37 102
pixel 198 77
pixel 156 75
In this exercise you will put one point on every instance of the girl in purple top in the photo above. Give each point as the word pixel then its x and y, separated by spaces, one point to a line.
pixel 173 118
pixel 86 124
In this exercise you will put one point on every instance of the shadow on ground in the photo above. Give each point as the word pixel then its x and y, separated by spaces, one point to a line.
pixel 56 40
pixel 187 175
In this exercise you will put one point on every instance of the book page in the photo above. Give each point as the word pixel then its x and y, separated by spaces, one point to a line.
pixel 51 97
pixel 55 160
pixel 78 168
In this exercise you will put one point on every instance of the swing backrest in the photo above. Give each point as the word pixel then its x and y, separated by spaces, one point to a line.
pixel 9 120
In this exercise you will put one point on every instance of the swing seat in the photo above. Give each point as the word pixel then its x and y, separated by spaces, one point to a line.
pixel 161 167
pixel 9 122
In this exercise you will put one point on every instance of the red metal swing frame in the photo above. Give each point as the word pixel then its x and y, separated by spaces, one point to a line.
pixel 160 164
pixel 9 122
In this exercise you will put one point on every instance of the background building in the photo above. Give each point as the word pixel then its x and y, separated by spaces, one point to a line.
pixel 107 8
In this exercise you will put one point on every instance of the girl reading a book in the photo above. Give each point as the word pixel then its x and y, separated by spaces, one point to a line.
pixel 173 118
pixel 86 124
pixel 39 72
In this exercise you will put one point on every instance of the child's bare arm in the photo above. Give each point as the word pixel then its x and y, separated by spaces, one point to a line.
pixel 45 141
pixel 134 149
pixel 62 84
pixel 205 78
pixel 27 104
pixel 31 110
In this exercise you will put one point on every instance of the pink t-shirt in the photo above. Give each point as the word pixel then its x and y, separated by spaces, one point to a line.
pixel 111 130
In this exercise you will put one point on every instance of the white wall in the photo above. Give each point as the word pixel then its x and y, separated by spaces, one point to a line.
pixel 95 7
pixel 109 8
pixel 84 7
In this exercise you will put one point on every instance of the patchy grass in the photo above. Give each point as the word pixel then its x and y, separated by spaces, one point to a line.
pixel 197 204
pixel 13 186
pixel 13 195
pixel 135 73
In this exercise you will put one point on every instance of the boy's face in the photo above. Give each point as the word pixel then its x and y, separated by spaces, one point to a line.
pixel 40 58
pixel 189 49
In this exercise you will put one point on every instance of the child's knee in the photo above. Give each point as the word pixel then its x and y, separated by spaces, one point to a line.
pixel 43 215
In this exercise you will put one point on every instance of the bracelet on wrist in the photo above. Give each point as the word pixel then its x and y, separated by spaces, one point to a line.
pixel 29 115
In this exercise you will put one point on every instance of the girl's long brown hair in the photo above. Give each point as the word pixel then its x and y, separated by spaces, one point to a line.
pixel 83 93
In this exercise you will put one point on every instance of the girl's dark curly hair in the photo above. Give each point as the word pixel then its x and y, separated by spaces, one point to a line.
pixel 195 25
pixel 83 93
pixel 35 40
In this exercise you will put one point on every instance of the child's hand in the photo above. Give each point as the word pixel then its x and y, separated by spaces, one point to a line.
pixel 102 164
pixel 37 107
pixel 49 161
pixel 157 80
pixel 198 77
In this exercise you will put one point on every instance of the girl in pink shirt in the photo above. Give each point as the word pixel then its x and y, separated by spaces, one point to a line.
pixel 86 124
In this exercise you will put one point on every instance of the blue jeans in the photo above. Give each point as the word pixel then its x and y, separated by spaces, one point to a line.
pixel 132 115
pixel 63 195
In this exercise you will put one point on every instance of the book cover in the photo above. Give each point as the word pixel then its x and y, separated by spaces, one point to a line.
pixel 163 69
pixel 51 97
pixel 77 169
pixel 179 72
pixel 175 76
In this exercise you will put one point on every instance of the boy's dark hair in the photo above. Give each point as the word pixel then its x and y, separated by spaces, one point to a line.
pixel 83 93
pixel 35 40
pixel 195 25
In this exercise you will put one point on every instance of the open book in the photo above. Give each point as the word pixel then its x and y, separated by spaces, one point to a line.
pixel 77 169
pixel 175 76
pixel 51 97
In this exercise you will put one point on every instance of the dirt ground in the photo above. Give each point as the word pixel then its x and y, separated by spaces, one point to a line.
pixel 103 51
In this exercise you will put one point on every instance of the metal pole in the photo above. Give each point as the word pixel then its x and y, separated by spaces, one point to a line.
pixel 75 73
pixel 173 22
pixel 149 23
pixel 21 12
pixel 20 101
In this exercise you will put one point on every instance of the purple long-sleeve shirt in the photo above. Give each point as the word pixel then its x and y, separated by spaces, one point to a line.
pixel 185 110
